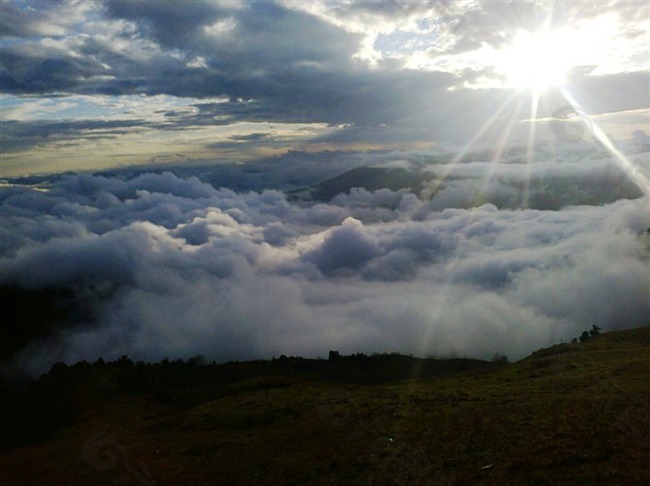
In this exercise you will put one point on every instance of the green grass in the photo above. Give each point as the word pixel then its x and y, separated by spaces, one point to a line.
pixel 570 414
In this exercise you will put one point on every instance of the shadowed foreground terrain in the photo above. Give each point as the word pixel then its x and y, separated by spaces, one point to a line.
pixel 572 414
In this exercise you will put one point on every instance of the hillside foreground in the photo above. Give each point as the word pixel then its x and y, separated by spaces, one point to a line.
pixel 571 414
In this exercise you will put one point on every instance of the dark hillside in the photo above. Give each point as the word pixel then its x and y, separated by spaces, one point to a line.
pixel 371 179
pixel 570 414
pixel 28 315
pixel 545 193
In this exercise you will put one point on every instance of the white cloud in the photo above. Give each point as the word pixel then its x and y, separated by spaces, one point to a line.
pixel 184 268
pixel 221 28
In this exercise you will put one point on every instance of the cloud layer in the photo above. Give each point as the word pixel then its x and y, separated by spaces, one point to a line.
pixel 176 267
pixel 149 81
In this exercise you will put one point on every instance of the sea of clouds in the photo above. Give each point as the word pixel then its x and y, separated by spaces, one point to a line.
pixel 175 267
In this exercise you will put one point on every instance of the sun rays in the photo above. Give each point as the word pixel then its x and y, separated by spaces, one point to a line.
pixel 635 173
pixel 535 69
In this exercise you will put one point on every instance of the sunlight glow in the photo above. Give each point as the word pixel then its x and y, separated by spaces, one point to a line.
pixel 542 59
pixel 537 61
pixel 481 132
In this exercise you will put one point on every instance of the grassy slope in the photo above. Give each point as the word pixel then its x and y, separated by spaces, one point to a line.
pixel 570 414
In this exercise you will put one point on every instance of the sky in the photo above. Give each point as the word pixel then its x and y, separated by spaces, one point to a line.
pixel 147 149
pixel 90 85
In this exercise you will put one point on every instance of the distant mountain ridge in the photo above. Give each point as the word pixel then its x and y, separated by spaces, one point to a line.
pixel 546 192
pixel 369 178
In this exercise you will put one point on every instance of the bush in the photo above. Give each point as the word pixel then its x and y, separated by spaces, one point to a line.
pixel 587 335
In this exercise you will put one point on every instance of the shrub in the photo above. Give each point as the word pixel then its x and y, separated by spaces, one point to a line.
pixel 587 335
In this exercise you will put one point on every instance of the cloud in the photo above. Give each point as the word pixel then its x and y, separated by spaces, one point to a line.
pixel 150 79
pixel 211 257
pixel 249 50
pixel 49 19
pixel 345 248
pixel 174 267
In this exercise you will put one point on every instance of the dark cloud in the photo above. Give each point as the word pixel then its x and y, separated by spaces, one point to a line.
pixel 284 63
pixel 18 135
pixel 172 24
pixel 261 48
pixel 52 18
pixel 346 248
pixel 249 137
pixel 29 74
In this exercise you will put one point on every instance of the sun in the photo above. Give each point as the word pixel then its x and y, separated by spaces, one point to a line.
pixel 536 61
